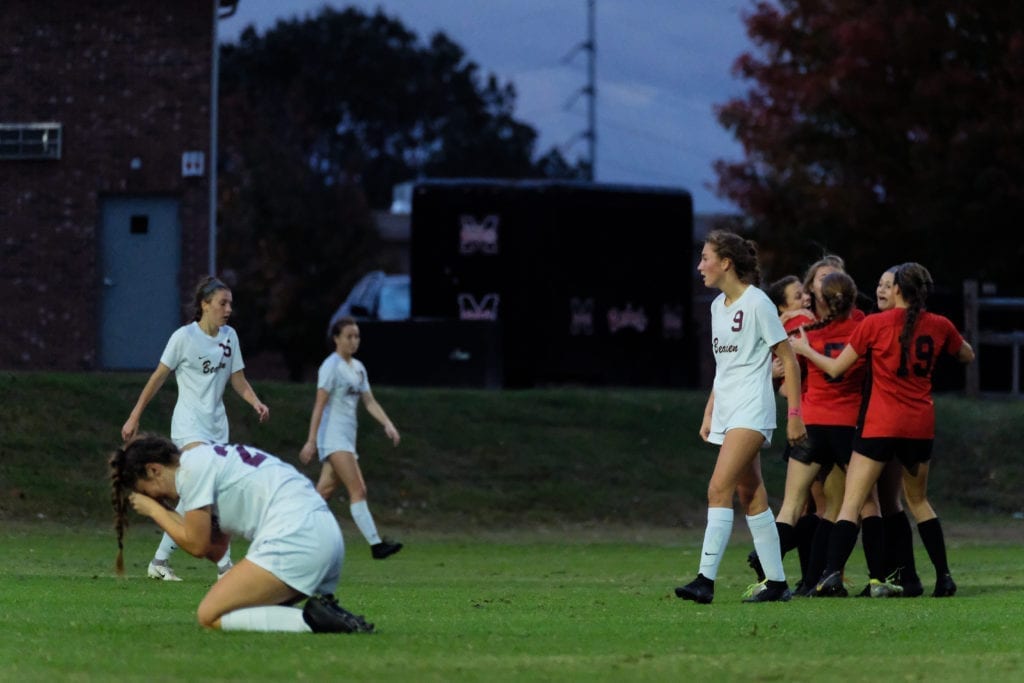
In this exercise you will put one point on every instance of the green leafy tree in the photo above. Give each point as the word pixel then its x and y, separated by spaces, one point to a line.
pixel 885 131
pixel 320 118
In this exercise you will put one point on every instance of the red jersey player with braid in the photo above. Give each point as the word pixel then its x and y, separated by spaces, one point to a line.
pixel 899 423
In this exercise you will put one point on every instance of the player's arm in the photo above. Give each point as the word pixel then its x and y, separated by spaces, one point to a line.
pixel 156 380
pixel 705 424
pixel 795 429
pixel 191 532
pixel 966 353
pixel 309 448
pixel 242 387
pixel 375 409
pixel 833 367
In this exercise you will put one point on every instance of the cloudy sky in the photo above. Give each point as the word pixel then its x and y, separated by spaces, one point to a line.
pixel 661 67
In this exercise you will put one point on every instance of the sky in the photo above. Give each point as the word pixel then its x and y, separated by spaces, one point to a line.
pixel 661 67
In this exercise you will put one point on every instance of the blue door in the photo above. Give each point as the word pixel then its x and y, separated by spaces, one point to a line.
pixel 139 269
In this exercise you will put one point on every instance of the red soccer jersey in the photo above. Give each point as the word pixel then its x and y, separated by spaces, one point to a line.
pixel 834 401
pixel 791 326
pixel 900 403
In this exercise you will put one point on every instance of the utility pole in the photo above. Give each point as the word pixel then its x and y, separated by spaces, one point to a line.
pixel 589 90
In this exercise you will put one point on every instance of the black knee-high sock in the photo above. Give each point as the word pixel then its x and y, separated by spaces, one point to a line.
pixel 840 545
pixel 899 547
pixel 805 528
pixel 873 538
pixel 935 544
pixel 819 553
pixel 787 537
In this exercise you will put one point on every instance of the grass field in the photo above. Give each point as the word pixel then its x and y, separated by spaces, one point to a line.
pixel 502 607
pixel 544 530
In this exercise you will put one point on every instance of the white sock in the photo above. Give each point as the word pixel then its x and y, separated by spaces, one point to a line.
pixel 364 520
pixel 766 543
pixel 225 563
pixel 164 550
pixel 716 538
pixel 266 618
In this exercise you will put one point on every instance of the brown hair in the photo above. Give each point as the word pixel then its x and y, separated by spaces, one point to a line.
pixel 839 294
pixel 915 283
pixel 127 466
pixel 205 290
pixel 340 324
pixel 777 290
pixel 826 261
pixel 742 252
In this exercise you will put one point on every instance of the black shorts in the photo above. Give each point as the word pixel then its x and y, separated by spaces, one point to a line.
pixel 910 452
pixel 827 445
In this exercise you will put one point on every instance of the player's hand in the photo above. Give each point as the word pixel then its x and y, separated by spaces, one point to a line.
pixel 796 431
pixel 392 433
pixel 143 504
pixel 705 428
pixel 130 428
pixel 799 342
pixel 307 452
pixel 262 410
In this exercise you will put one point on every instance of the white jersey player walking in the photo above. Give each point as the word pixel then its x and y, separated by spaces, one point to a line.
pixel 740 413
pixel 341 383
pixel 204 356
pixel 296 550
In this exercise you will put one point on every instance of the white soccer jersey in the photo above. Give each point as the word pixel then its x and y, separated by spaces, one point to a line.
pixel 202 366
pixel 254 493
pixel 345 382
pixel 742 335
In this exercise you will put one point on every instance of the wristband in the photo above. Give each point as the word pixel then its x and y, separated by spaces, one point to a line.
pixel 793 412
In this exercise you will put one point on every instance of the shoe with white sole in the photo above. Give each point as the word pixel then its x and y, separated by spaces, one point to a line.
pixel 162 572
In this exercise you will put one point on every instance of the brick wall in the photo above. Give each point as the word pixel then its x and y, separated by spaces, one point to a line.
pixel 128 80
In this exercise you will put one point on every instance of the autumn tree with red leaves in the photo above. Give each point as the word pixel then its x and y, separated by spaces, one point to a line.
pixel 884 131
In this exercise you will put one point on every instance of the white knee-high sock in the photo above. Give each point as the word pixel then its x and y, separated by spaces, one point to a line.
pixel 225 562
pixel 716 538
pixel 266 618
pixel 364 520
pixel 766 543
pixel 164 550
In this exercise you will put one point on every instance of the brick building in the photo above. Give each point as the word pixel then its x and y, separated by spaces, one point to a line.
pixel 105 160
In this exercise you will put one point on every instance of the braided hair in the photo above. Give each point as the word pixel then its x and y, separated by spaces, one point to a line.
pixel 742 252
pixel 826 261
pixel 839 294
pixel 127 467
pixel 915 283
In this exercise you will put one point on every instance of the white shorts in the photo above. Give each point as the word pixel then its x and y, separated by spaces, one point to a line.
pixel 718 438
pixel 324 452
pixel 306 556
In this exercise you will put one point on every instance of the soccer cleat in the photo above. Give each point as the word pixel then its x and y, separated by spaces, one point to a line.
pixel 803 590
pixel 912 586
pixel 323 614
pixel 755 563
pixel 386 548
pixel 701 590
pixel 881 589
pixel 768 591
pixel 831 586
pixel 945 587
pixel 163 572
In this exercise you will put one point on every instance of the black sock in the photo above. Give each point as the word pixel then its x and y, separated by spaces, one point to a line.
pixel 935 544
pixel 805 528
pixel 873 539
pixel 840 544
pixel 819 553
pixel 787 537
pixel 899 547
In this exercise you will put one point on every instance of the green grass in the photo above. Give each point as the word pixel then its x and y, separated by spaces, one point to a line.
pixel 545 530
pixel 504 607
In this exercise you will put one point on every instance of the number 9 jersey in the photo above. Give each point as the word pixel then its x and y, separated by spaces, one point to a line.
pixel 900 400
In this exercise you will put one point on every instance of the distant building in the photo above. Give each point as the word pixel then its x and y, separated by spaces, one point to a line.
pixel 105 173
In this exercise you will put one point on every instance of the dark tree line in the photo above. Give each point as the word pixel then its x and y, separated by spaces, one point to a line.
pixel 319 119
pixel 885 131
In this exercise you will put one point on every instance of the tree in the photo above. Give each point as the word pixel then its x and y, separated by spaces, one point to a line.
pixel 320 118
pixel 885 131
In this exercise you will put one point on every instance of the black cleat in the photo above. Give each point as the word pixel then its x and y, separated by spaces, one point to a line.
pixel 912 587
pixel 755 563
pixel 803 590
pixel 700 590
pixel 323 614
pixel 386 548
pixel 945 587
pixel 770 591
pixel 830 586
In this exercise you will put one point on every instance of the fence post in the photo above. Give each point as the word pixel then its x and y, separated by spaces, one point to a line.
pixel 973 383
